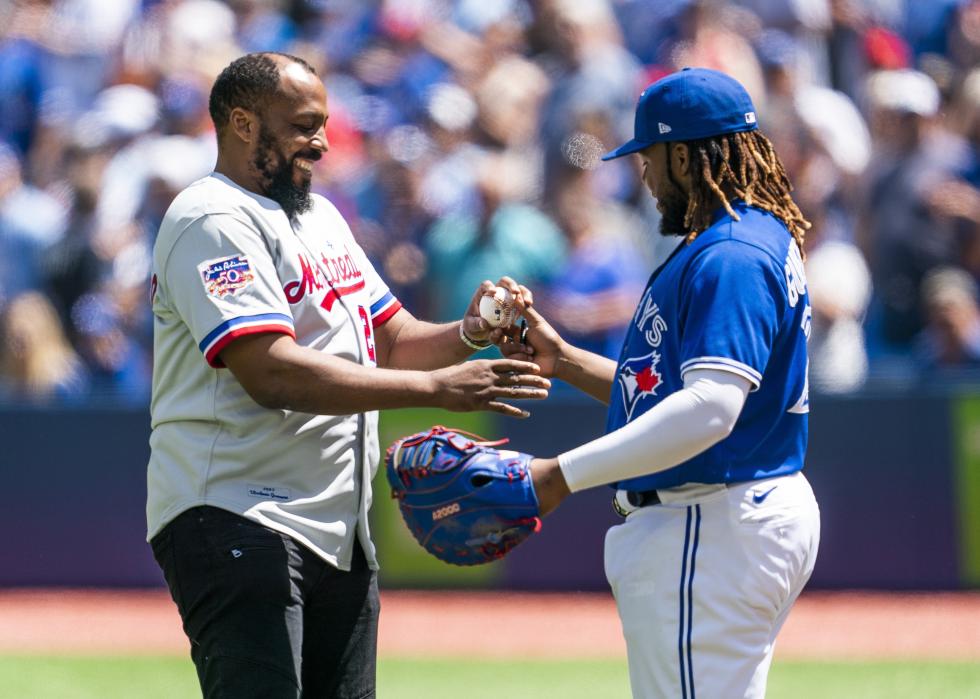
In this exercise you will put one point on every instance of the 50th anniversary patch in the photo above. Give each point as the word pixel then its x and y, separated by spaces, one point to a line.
pixel 226 275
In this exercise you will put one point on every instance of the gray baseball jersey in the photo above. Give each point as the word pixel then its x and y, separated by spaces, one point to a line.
pixel 227 263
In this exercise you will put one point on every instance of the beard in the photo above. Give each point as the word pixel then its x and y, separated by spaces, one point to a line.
pixel 276 174
pixel 673 203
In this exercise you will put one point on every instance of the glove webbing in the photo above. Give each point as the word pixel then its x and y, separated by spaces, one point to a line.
pixel 420 459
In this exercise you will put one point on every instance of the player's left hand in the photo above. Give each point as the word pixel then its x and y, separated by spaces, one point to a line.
pixel 475 327
pixel 549 484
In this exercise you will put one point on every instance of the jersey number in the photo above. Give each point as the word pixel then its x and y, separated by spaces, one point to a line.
pixel 368 333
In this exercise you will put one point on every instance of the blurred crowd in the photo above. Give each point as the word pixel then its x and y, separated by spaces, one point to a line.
pixel 464 138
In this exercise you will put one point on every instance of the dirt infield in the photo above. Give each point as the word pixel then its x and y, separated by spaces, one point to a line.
pixel 822 626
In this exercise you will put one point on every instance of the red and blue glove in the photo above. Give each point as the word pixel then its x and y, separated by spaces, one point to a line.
pixel 465 501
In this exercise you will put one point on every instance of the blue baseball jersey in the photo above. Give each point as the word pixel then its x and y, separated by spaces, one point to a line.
pixel 735 299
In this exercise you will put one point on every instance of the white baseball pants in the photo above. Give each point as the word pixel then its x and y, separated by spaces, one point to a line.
pixel 704 581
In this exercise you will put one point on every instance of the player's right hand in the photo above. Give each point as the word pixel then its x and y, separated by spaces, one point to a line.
pixel 541 343
pixel 484 384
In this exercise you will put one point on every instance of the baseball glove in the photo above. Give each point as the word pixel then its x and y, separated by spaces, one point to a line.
pixel 464 500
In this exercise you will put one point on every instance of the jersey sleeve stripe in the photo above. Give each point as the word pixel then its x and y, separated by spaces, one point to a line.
pixel 384 308
pixel 221 336
pixel 724 364
pixel 381 303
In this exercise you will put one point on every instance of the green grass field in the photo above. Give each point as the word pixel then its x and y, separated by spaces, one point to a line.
pixel 43 677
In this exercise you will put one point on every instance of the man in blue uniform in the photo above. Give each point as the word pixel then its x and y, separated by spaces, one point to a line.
pixel 708 404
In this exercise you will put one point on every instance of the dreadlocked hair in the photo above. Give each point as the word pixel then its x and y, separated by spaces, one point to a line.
pixel 746 165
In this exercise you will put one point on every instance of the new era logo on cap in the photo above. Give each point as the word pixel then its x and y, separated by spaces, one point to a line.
pixel 688 105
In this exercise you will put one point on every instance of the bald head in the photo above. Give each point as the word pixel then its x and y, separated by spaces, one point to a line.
pixel 270 111
pixel 252 81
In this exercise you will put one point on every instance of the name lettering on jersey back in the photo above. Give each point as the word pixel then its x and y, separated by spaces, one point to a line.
pixel 343 277
pixel 795 274
pixel 796 288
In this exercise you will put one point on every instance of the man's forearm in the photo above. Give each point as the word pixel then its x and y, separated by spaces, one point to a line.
pixel 425 346
pixel 279 374
pixel 313 382
pixel 590 373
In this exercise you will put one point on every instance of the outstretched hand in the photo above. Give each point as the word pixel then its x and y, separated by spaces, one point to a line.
pixel 483 384
pixel 540 343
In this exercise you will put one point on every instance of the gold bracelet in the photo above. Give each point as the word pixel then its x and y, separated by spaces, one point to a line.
pixel 472 344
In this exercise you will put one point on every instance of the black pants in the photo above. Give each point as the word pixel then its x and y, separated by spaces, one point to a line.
pixel 266 617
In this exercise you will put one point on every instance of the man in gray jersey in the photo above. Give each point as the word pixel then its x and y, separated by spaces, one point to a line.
pixel 275 343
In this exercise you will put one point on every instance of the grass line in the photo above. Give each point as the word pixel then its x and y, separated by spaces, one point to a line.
pixel 169 677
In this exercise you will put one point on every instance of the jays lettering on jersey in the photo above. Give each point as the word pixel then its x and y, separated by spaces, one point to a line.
pixel 735 299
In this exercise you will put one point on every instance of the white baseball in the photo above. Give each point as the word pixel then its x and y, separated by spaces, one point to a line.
pixel 498 310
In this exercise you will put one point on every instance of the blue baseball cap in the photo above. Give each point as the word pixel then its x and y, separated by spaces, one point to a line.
pixel 689 104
